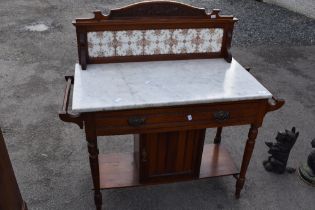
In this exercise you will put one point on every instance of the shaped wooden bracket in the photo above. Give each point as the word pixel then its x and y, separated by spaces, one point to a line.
pixel 64 114
pixel 98 15
pixel 275 104
pixel 215 14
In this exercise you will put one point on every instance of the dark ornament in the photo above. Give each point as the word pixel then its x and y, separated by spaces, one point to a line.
pixel 280 151
pixel 307 170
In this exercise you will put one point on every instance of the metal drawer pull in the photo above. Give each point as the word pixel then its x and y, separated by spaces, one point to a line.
pixel 221 115
pixel 136 121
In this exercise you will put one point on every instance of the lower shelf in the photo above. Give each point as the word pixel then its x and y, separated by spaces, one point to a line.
pixel 118 169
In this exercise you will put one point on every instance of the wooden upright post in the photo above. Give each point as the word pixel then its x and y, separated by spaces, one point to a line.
pixel 10 196
pixel 91 139
pixel 250 143
pixel 217 138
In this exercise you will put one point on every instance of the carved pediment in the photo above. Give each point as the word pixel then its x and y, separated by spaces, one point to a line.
pixel 157 9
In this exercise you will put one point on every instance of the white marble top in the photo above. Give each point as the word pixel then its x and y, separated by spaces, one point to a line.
pixel 117 86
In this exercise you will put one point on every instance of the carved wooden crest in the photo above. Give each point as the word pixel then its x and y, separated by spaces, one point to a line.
pixel 157 9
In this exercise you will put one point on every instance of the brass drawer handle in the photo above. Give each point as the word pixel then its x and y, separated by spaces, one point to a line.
pixel 136 121
pixel 221 116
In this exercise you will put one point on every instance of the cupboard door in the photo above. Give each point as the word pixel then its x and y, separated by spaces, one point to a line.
pixel 170 155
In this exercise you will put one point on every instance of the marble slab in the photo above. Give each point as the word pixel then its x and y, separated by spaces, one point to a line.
pixel 118 86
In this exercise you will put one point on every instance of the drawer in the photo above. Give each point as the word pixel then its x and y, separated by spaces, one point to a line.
pixel 176 118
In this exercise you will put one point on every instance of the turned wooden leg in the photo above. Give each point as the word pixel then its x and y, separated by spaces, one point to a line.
pixel 246 158
pixel 93 157
pixel 98 199
pixel 217 138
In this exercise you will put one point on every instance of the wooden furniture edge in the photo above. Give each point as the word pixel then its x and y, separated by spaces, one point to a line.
pixel 113 176
pixel 10 195
pixel 275 104
pixel 155 9
pixel 64 114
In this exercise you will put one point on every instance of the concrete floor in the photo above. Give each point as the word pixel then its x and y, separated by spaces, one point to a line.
pixel 306 7
pixel 50 157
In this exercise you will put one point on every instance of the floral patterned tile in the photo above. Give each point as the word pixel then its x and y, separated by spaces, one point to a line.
pixel 154 42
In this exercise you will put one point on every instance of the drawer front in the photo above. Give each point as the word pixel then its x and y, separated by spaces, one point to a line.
pixel 176 118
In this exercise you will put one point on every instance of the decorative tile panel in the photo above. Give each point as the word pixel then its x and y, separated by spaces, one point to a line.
pixel 154 42
pixel 129 43
pixel 101 44
pixel 212 43
pixel 157 42
pixel 184 41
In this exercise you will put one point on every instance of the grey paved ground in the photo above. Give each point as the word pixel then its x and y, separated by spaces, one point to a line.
pixel 306 7
pixel 50 158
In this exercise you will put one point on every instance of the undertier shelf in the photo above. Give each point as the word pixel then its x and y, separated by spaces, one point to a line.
pixel 119 170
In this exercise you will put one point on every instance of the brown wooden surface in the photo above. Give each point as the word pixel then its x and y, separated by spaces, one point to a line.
pixel 249 147
pixel 217 138
pixel 216 161
pixel 156 9
pixel 163 156
pixel 64 114
pixel 119 169
pixel 175 118
pixel 91 139
pixel 10 196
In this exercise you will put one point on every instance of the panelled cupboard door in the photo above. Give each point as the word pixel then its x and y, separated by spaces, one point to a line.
pixel 170 155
